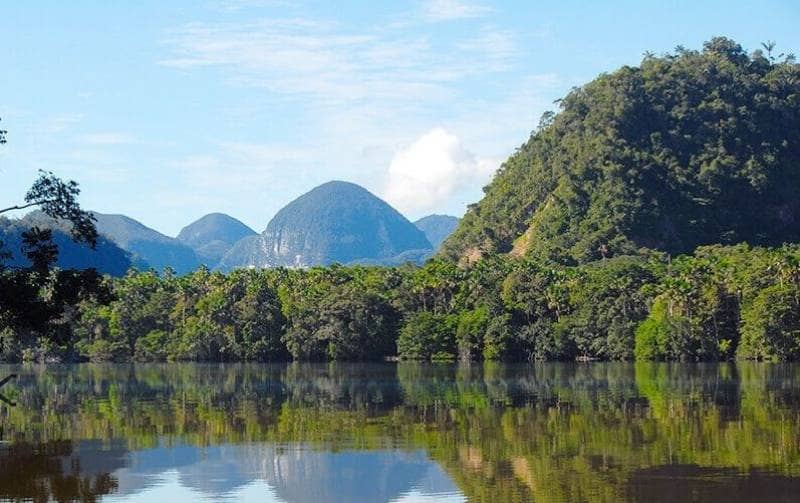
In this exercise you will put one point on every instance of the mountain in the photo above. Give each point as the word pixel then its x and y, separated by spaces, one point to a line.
pixel 437 228
pixel 144 243
pixel 687 149
pixel 107 257
pixel 335 222
pixel 213 235
pixel 247 252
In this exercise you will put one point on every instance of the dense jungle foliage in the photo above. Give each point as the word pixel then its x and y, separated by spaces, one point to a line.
pixel 719 304
pixel 688 149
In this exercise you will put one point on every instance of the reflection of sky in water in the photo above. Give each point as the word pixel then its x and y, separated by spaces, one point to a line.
pixel 293 473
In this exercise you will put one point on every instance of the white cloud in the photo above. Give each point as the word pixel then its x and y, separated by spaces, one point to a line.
pixel 427 173
pixel 357 95
pixel 446 10
pixel 107 138
pixel 312 59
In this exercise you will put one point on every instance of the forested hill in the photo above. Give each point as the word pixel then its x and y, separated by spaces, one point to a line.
pixel 690 148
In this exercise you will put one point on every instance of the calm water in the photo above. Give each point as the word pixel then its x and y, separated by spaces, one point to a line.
pixel 402 432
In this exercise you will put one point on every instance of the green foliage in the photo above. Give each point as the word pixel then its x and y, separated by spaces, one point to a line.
pixel 427 336
pixel 687 149
pixel 500 308
pixel 653 333
pixel 497 343
pixel 152 347
pixel 470 332
pixel 38 302
pixel 771 325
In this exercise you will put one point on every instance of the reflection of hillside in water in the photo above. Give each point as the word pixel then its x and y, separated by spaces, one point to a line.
pixel 59 471
pixel 543 432
pixel 296 473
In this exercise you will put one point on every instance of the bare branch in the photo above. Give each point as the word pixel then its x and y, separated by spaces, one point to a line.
pixel 23 206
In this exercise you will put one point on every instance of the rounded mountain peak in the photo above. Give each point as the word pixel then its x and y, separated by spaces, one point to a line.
pixel 214 227
pixel 339 222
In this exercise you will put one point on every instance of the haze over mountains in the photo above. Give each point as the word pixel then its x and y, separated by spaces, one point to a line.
pixel 146 244
pixel 437 228
pixel 107 257
pixel 335 222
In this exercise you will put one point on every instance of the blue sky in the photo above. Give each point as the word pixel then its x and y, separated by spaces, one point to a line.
pixel 166 111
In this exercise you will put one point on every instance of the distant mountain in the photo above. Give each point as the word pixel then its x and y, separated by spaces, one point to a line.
pixel 107 257
pixel 335 222
pixel 213 235
pixel 144 243
pixel 247 252
pixel 409 256
pixel 437 228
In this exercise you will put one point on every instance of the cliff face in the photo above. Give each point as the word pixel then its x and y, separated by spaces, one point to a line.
pixel 335 222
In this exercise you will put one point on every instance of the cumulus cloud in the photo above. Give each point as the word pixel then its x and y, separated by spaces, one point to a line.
pixel 430 171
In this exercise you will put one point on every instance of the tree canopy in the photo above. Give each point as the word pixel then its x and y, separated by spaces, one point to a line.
pixel 687 149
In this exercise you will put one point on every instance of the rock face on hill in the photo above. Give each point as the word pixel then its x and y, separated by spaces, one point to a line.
pixel 213 235
pixel 106 258
pixel 437 228
pixel 247 252
pixel 688 149
pixel 146 244
pixel 335 222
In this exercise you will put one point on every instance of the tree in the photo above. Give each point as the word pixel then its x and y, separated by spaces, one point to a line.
pixel 59 199
pixel 427 336
pixel 37 301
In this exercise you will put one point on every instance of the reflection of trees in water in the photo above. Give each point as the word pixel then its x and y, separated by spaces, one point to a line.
pixel 52 471
pixel 545 431
pixel 663 484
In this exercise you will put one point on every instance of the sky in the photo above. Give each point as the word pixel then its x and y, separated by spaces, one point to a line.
pixel 166 111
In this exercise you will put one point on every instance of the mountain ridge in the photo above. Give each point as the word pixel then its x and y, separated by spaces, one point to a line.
pixel 334 222
pixel 158 250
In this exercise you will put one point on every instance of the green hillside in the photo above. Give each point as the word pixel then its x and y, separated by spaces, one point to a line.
pixel 687 149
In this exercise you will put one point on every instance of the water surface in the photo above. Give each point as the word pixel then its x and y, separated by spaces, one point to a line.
pixel 402 432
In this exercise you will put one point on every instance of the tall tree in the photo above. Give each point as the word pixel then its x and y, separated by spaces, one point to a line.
pixel 35 300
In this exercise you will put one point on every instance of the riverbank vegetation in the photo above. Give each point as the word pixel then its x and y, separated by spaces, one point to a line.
pixel 619 231
pixel 720 303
